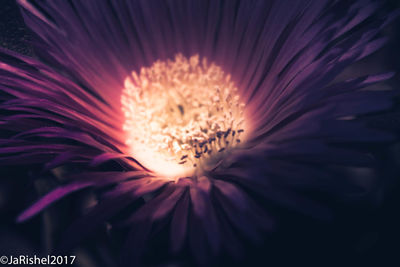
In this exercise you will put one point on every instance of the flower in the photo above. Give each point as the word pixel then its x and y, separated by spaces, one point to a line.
pixel 212 109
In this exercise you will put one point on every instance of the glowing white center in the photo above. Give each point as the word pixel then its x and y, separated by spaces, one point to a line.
pixel 181 116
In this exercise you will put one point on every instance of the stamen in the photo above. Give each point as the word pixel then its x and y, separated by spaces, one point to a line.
pixel 177 112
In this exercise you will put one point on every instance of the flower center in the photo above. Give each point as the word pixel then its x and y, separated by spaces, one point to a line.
pixel 181 116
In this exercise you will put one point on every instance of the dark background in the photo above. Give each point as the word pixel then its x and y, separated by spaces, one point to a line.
pixel 365 233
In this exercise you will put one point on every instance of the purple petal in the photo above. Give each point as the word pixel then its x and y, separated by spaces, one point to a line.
pixel 179 224
pixel 50 198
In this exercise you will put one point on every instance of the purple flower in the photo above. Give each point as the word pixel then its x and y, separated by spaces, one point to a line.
pixel 212 109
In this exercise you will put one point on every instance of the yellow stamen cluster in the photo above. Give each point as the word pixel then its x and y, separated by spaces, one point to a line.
pixel 181 115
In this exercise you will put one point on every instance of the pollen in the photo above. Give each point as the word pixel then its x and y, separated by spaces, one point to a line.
pixel 182 116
